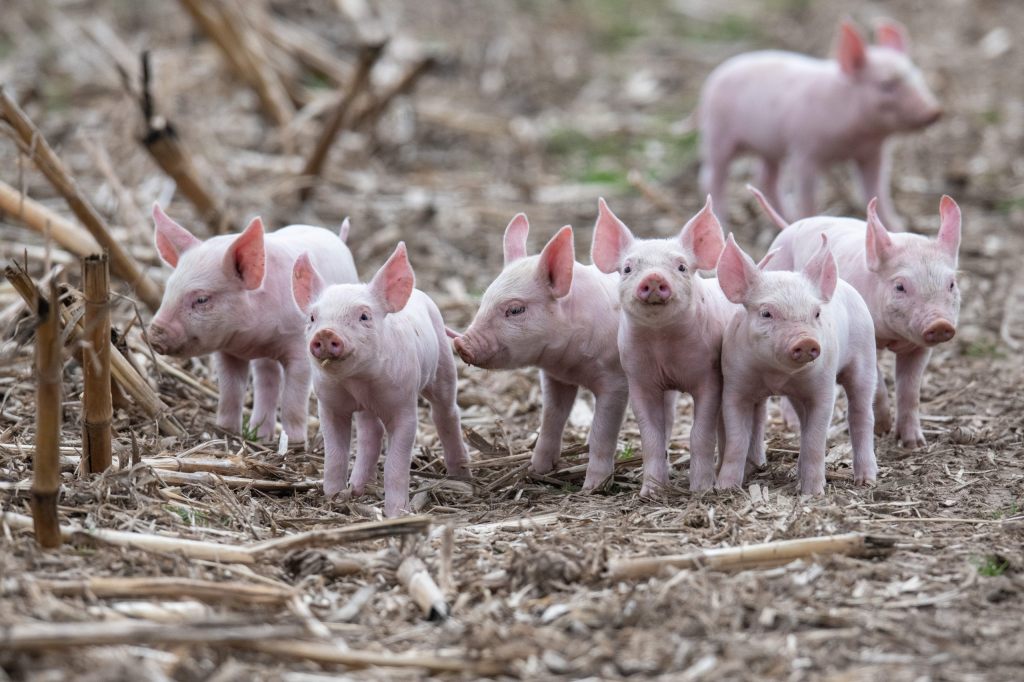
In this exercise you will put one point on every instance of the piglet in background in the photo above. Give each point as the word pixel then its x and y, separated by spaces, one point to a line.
pixel 549 311
pixel 231 296
pixel 670 334
pixel 909 284
pixel 810 112
pixel 797 335
pixel 375 349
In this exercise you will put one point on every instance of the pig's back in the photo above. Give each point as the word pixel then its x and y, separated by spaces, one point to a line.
pixel 855 327
pixel 801 240
pixel 423 331
pixel 329 253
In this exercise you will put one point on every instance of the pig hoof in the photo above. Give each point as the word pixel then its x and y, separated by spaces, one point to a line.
pixel 702 484
pixel 595 481
pixel 912 439
pixel 395 510
pixel 541 465
pixel 812 488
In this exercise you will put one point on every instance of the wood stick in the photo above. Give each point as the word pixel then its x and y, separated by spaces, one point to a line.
pixel 369 530
pixel 751 556
pixel 60 636
pixel 371 112
pixel 46 461
pixel 97 401
pixel 307 47
pixel 44 221
pixel 35 146
pixel 367 58
pixel 211 479
pixel 163 144
pixel 330 653
pixel 168 588
pixel 415 578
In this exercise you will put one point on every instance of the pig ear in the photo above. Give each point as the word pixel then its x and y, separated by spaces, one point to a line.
pixel 246 258
pixel 556 263
pixel 394 282
pixel 892 34
pixel 949 230
pixel 736 272
pixel 514 243
pixel 877 242
pixel 851 53
pixel 702 236
pixel 762 264
pixel 822 271
pixel 306 282
pixel 172 239
pixel 611 239
pixel 344 229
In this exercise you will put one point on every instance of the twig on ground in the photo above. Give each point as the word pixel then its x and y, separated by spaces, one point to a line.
pixel 415 578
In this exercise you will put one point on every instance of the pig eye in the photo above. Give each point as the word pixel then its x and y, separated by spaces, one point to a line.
pixel 682 268
pixel 626 270
pixel 364 318
pixel 201 300
pixel 900 288
pixel 515 310
pixel 817 315
pixel 766 314
pixel 952 285
pixel 312 317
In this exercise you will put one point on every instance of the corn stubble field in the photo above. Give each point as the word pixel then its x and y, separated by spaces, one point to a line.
pixel 536 107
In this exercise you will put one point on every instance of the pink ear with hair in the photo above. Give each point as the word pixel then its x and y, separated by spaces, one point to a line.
pixel 892 34
pixel 851 52
pixel 877 241
pixel 737 273
pixel 611 239
pixel 246 257
pixel 394 282
pixel 821 269
pixel 702 237
pixel 514 242
pixel 306 282
pixel 950 228
pixel 556 263
pixel 343 231
pixel 172 239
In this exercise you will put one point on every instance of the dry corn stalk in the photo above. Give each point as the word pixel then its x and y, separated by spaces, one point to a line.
pixel 97 401
pixel 46 462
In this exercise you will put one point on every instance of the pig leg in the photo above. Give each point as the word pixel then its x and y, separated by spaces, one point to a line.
pixel 713 176
pixel 336 425
pixel 671 398
pixel 815 417
pixel 232 375
pixel 755 452
pixel 445 414
pixel 609 409
pixel 909 372
pixel 558 399
pixel 883 413
pixel 298 383
pixel 649 408
pixel 807 184
pixel 266 393
pixel 789 416
pixel 401 438
pixel 770 183
pixel 369 435
pixel 739 423
pixel 874 178
pixel 703 435
pixel 859 384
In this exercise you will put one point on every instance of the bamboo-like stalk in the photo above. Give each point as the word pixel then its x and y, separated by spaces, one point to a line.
pixel 44 221
pixel 751 556
pixel 60 636
pixel 97 401
pixel 416 579
pixel 368 56
pixel 330 653
pixel 34 145
pixel 204 590
pixel 46 462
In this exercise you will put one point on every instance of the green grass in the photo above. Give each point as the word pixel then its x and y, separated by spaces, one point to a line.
pixel 188 515
pixel 1008 205
pixel 991 566
pixel 250 432
pixel 626 452
pixel 1013 509
pixel 984 349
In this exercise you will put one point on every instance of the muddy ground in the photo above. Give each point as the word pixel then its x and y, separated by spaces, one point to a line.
pixel 536 107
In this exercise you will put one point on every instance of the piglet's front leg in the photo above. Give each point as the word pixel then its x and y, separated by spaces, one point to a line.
pixel 649 407
pixel 401 430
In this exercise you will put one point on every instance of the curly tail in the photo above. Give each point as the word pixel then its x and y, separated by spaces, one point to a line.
pixel 768 208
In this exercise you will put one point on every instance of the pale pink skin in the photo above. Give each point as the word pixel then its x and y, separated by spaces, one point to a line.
pixel 670 335
pixel 810 113
pixel 231 296
pixel 908 322
pixel 550 312
pixel 374 349
pixel 797 334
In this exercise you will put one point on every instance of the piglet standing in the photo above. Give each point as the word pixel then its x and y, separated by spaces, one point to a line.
pixel 814 112
pixel 670 334
pixel 797 334
pixel 909 284
pixel 549 311
pixel 375 348
pixel 231 296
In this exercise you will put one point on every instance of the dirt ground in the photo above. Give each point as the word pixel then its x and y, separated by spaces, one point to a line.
pixel 538 107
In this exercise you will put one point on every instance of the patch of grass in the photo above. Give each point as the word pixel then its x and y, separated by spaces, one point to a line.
pixel 600 176
pixel 188 515
pixel 606 159
pixel 250 431
pixel 1013 509
pixel 991 566
pixel 628 451
pixel 316 81
pixel 730 28
pixel 991 116
pixel 984 349
pixel 1008 205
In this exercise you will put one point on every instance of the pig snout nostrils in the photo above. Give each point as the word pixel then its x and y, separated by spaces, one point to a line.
pixel 158 339
pixel 326 345
pixel 805 350
pixel 939 332
pixel 462 350
pixel 654 289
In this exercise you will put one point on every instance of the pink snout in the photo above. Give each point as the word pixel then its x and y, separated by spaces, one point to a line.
pixel 326 345
pixel 654 290
pixel 939 332
pixel 805 350
pixel 463 350
pixel 160 339
pixel 933 116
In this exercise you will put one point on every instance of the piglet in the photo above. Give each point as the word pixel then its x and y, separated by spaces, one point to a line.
pixel 670 334
pixel 909 284
pixel 374 349
pixel 549 311
pixel 814 112
pixel 231 296
pixel 797 334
